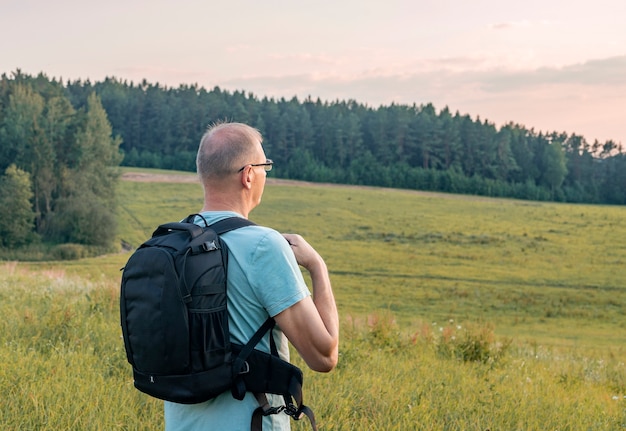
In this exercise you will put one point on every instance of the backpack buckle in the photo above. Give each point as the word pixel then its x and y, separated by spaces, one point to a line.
pixel 293 411
pixel 245 368
pixel 209 246
pixel 273 410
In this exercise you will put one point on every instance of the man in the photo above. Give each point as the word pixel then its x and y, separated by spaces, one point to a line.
pixel 264 279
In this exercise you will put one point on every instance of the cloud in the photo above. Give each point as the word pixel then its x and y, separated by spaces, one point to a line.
pixel 587 98
pixel 593 73
pixel 305 58
pixel 509 25
pixel 444 76
pixel 522 24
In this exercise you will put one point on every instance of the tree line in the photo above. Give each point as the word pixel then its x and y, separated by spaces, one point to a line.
pixel 400 146
pixel 60 141
pixel 57 176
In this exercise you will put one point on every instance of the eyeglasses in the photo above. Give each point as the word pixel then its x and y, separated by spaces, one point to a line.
pixel 267 165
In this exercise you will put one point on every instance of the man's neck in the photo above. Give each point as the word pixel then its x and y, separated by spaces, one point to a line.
pixel 225 206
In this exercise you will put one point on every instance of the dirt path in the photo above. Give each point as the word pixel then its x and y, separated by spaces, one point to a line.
pixel 144 177
pixel 192 178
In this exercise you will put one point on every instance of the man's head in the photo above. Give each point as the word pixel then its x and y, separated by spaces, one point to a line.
pixel 225 165
pixel 226 147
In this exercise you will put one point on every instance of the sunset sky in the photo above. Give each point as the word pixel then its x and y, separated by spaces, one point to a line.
pixel 551 65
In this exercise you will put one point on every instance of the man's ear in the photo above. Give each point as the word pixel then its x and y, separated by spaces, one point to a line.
pixel 247 176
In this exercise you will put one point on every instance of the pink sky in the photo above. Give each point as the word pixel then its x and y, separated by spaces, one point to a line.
pixel 551 65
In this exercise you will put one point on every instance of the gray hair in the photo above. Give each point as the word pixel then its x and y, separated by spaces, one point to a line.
pixel 224 148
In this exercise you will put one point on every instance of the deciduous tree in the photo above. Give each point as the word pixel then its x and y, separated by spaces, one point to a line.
pixel 16 212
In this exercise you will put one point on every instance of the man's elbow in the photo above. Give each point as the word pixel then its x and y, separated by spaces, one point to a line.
pixel 325 364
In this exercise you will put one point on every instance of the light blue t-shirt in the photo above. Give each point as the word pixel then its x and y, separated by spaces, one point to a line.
pixel 263 280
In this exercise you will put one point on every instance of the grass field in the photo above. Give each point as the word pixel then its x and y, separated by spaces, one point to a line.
pixel 458 313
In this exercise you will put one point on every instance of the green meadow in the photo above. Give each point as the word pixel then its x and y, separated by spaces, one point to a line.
pixel 458 313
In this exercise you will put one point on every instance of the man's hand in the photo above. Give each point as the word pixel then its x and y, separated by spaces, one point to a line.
pixel 312 325
pixel 306 255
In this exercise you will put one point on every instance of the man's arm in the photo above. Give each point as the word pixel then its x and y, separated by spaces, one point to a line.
pixel 312 324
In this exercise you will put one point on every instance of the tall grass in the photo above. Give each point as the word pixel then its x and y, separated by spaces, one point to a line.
pixel 457 314
pixel 64 369
pixel 62 362
pixel 396 383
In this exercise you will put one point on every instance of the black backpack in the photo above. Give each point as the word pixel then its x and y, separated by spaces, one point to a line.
pixel 175 324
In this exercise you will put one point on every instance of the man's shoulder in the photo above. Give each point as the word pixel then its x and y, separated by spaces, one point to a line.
pixel 212 217
pixel 255 235
pixel 258 234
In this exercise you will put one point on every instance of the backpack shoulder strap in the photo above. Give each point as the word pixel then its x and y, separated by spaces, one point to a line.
pixel 229 224
pixel 240 366
pixel 223 226
pixel 289 380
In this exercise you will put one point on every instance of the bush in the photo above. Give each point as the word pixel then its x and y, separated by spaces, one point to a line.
pixel 83 220
pixel 68 252
pixel 471 343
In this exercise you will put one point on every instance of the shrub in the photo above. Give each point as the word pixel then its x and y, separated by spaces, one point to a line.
pixel 68 252
pixel 471 343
